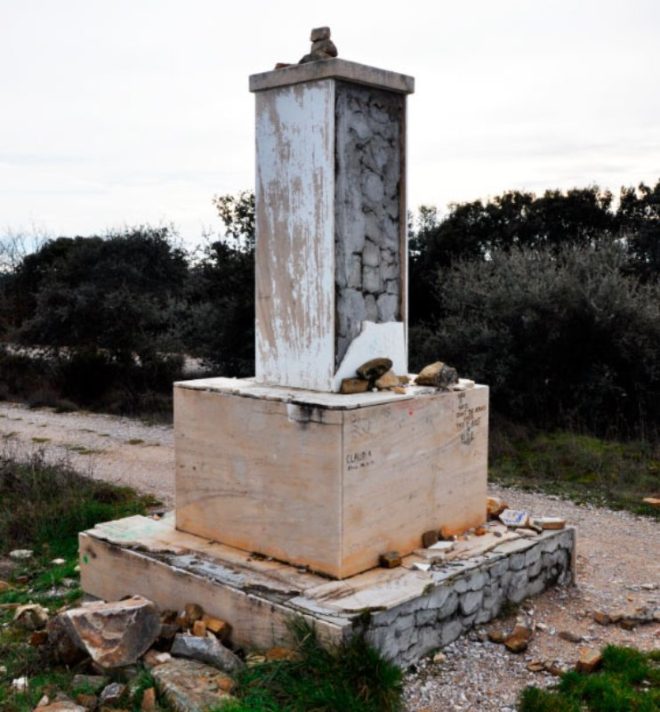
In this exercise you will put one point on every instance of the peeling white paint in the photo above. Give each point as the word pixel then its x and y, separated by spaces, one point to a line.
pixel 375 340
pixel 295 328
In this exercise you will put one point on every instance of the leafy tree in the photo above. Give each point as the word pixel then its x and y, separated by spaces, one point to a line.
pixel 473 231
pixel 564 337
pixel 237 215
pixel 219 324
pixel 109 293
pixel 638 217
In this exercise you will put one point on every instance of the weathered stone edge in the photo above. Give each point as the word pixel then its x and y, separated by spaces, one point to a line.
pixel 408 631
pixel 333 69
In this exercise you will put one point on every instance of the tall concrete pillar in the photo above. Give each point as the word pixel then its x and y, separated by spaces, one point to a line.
pixel 331 271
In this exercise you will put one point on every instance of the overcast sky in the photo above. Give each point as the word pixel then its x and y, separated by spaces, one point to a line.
pixel 116 112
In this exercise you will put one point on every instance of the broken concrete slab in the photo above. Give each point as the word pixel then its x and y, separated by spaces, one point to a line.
pixel 113 634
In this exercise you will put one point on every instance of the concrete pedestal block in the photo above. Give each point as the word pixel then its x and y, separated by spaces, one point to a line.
pixel 323 480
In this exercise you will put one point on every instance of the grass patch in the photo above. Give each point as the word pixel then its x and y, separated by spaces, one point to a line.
pixel 44 506
pixel 40 440
pixel 135 441
pixel 580 467
pixel 351 677
pixel 629 681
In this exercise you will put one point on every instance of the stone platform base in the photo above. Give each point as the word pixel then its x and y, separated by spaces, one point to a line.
pixel 405 612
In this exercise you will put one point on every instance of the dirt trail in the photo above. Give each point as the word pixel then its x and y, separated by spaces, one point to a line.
pixel 617 560
pixel 617 567
pixel 106 447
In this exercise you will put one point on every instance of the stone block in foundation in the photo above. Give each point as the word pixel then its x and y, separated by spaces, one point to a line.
pixel 404 613
pixel 324 480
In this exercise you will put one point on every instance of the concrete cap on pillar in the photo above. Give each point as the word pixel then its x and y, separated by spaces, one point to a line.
pixel 333 69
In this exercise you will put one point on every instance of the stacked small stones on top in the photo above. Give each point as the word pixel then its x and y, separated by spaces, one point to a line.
pixel 322 46
pixel 377 373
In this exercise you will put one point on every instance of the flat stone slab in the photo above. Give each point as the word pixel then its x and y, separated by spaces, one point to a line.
pixel 336 68
pixel 405 612
pixel 250 388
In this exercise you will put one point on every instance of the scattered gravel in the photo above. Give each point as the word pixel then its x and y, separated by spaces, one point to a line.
pixel 617 567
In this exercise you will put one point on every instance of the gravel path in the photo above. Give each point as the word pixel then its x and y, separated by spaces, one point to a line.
pixel 617 567
pixel 107 447
pixel 617 561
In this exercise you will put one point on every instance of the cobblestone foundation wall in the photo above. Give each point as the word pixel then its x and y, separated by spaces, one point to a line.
pixel 473 593
pixel 367 197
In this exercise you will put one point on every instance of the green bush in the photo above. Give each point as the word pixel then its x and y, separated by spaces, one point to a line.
pixel 582 467
pixel 97 380
pixel 565 338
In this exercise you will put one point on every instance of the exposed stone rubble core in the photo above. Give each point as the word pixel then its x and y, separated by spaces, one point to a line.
pixel 410 611
pixel 367 208
pixel 474 594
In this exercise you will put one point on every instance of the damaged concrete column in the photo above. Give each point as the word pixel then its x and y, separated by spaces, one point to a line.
pixel 331 272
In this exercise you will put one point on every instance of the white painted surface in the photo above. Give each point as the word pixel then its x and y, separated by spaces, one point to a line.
pixel 295 235
pixel 386 340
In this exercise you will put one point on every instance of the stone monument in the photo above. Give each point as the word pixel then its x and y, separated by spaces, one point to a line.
pixel 289 494
pixel 282 464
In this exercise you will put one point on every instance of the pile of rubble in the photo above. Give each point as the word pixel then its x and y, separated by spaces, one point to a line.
pixel 187 652
pixel 440 546
pixel 377 374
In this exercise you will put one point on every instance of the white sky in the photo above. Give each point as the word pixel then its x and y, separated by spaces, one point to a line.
pixel 116 112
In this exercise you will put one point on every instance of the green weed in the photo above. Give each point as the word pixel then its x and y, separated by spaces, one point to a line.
pixel 580 467
pixel 44 506
pixel 351 677
pixel 629 681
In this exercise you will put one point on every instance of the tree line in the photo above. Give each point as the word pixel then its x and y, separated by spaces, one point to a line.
pixel 553 300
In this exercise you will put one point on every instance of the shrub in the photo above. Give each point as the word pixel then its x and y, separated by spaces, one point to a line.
pixel 565 338
pixel 616 688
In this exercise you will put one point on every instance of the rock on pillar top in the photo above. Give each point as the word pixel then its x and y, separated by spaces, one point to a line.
pixel 331 269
